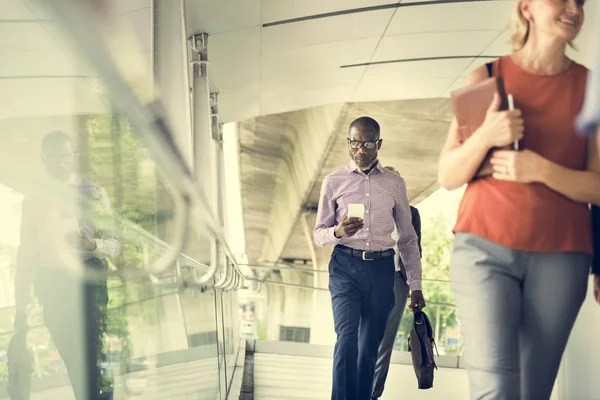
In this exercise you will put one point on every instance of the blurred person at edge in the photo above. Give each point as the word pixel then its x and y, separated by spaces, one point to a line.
pixel 523 240
pixel 589 125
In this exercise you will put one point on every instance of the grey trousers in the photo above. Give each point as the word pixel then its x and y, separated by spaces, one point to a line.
pixel 391 330
pixel 516 311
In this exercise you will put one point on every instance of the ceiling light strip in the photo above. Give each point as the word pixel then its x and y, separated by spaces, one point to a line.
pixel 406 60
pixel 367 9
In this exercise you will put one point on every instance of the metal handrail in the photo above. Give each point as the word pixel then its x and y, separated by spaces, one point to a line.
pixel 286 267
pixel 308 287
pixel 232 281
pixel 222 259
pixel 214 266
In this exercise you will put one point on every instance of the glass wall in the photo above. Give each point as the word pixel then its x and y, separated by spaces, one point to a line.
pixel 97 298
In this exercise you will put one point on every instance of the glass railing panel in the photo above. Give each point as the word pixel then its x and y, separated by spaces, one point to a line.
pixel 221 343
pixel 231 339
pixel 85 211
pixel 292 305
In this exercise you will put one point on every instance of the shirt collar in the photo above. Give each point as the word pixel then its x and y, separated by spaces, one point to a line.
pixel 352 167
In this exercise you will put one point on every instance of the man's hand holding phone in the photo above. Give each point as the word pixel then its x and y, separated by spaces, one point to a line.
pixel 352 223
pixel 348 227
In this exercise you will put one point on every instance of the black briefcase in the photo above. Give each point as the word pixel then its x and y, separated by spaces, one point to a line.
pixel 421 344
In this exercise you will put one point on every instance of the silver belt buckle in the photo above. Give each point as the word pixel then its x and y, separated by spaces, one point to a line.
pixel 364 256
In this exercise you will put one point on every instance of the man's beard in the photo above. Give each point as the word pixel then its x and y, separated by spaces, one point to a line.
pixel 369 166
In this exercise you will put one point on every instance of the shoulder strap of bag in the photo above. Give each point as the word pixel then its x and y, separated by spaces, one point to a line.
pixel 490 69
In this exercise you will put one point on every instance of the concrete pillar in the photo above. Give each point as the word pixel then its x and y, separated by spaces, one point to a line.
pixel 321 323
pixel 207 143
pixel 321 327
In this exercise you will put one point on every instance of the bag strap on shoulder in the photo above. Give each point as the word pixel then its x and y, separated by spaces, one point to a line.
pixel 490 69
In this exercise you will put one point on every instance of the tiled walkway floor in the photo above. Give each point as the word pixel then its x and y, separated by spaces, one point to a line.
pixel 279 377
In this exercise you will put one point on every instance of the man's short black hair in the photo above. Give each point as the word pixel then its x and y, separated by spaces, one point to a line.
pixel 366 122
pixel 54 139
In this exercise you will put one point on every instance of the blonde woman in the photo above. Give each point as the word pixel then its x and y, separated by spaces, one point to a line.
pixel 523 243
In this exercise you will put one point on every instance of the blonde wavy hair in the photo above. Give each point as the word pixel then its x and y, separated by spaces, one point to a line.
pixel 520 29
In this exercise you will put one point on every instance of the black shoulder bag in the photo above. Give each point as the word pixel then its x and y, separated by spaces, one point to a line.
pixel 421 344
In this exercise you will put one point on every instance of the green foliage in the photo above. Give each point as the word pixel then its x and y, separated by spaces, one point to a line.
pixel 113 157
pixel 261 330
pixel 437 251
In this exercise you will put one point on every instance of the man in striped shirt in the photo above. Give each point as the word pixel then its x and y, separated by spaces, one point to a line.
pixel 362 268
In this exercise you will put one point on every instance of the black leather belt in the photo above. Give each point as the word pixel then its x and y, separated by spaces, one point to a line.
pixel 365 254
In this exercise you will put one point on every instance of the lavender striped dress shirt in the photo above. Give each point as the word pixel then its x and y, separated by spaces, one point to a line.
pixel 386 210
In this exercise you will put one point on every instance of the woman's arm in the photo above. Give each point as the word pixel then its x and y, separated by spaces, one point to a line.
pixel 459 162
pixel 580 186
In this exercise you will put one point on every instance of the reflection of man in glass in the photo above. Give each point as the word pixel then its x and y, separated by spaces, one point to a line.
pixel 74 308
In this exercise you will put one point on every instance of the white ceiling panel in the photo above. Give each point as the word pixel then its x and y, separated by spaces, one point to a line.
pixel 123 7
pixel 6 112
pixel 313 80
pixel 279 10
pixel 500 46
pixel 51 96
pixel 234 58
pixel 27 36
pixel 305 99
pixel 235 45
pixel 278 62
pixel 35 62
pixel 409 80
pixel 139 22
pixel 241 103
pixel 326 30
pixel 14 9
pixel 418 70
pixel 373 89
pixel 220 16
pixel 230 75
pixel 22 10
pixel 437 44
pixel 464 16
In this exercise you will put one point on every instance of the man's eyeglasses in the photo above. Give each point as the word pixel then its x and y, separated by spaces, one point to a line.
pixel 369 145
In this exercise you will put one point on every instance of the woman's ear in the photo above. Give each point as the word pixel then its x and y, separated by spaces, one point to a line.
pixel 524 6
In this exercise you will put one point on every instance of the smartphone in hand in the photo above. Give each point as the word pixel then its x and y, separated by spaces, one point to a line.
pixel 356 210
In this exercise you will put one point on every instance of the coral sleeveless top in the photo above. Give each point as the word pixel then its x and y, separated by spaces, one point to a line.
pixel 532 217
